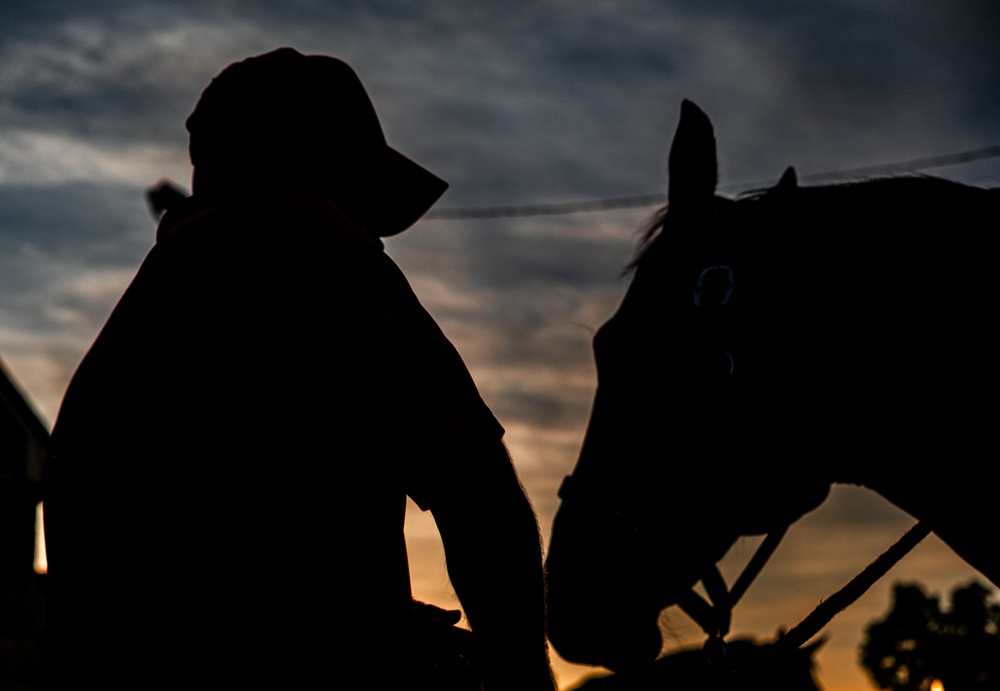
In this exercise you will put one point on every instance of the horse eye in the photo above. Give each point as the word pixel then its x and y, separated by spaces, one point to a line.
pixel 714 286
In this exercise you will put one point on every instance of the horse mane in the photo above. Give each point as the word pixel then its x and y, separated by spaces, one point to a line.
pixel 901 191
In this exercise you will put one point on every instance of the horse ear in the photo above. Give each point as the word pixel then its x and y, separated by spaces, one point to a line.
pixel 692 166
pixel 788 181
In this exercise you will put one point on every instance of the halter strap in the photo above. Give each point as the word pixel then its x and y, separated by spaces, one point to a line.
pixel 715 617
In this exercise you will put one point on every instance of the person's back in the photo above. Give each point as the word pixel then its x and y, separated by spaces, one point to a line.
pixel 229 468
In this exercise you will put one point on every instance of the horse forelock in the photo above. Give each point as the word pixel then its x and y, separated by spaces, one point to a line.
pixel 659 224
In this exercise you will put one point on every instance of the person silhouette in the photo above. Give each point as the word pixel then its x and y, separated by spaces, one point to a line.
pixel 226 486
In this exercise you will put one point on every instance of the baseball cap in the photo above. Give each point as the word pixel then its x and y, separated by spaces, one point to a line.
pixel 258 108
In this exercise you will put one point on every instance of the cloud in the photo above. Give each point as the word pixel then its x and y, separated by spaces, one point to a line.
pixel 44 158
pixel 83 221
pixel 546 102
pixel 67 252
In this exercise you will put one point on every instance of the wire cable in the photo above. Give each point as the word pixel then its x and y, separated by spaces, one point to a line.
pixel 641 200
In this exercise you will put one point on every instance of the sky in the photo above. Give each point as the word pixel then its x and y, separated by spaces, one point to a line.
pixel 513 103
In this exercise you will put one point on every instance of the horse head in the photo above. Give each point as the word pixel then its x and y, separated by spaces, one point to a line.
pixel 721 377
pixel 663 485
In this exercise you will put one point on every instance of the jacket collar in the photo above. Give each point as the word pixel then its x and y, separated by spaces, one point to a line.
pixel 194 208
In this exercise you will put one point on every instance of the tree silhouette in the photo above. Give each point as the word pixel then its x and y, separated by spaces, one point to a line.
pixel 917 642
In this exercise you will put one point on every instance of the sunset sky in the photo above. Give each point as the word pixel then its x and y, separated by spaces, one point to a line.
pixel 513 103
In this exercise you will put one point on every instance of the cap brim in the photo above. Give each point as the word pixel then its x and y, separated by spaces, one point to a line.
pixel 407 191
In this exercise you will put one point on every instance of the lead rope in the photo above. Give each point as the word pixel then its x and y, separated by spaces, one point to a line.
pixel 714 618
pixel 858 586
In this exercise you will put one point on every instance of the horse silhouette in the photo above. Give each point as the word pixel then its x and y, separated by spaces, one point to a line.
pixel 770 345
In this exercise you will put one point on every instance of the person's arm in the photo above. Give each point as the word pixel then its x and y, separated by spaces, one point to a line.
pixel 494 556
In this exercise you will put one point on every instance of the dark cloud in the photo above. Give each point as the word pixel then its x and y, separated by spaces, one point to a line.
pixel 529 104
pixel 66 254
pixel 543 409
pixel 88 222
pixel 537 256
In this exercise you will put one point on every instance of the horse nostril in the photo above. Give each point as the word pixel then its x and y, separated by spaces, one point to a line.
pixel 714 286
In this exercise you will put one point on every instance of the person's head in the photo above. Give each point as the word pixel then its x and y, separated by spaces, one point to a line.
pixel 288 122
